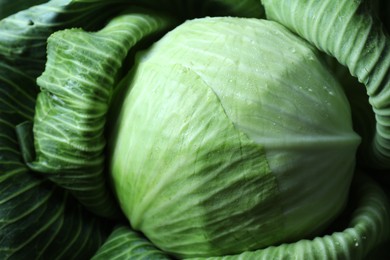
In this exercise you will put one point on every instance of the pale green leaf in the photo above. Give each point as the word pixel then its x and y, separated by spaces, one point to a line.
pixel 352 33
pixel 125 243
pixel 367 228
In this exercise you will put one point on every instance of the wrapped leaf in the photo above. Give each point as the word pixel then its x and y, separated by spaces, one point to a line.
pixel 360 42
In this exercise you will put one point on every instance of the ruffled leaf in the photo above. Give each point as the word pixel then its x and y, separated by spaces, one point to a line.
pixel 350 32
pixel 38 220
pixel 125 243
pixel 76 90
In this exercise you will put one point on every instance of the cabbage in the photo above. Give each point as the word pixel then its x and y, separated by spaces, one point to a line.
pixel 231 136
pixel 211 129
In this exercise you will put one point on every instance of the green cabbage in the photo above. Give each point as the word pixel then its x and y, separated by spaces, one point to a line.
pixel 197 129
pixel 231 136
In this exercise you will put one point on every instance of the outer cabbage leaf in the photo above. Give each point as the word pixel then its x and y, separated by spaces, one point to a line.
pixel 38 220
pixel 8 7
pixel 222 123
pixel 23 35
pixel 76 89
pixel 23 39
pixel 359 42
pixel 125 243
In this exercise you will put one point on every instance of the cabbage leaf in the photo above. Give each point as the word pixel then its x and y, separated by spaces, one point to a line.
pixel 360 42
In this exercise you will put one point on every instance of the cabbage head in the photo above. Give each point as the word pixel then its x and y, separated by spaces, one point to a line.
pixel 221 125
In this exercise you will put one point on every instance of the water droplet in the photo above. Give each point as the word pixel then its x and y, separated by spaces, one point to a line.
pixel 184 69
pixel 310 90
pixel 356 244
pixel 331 93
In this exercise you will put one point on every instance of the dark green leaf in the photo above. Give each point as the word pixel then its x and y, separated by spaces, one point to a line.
pixel 8 7
pixel 76 90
